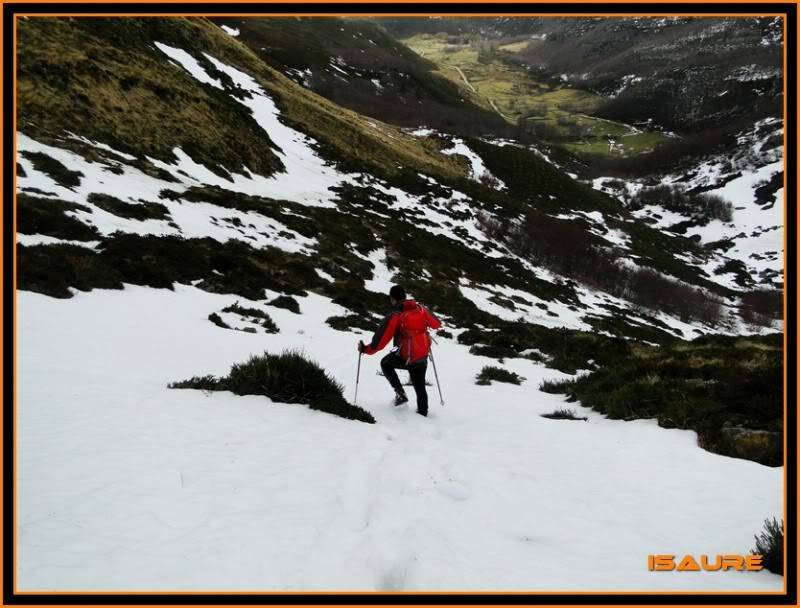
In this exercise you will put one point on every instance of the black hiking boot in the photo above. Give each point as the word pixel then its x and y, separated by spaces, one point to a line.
pixel 400 398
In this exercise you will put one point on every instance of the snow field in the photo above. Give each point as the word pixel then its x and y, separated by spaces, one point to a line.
pixel 125 484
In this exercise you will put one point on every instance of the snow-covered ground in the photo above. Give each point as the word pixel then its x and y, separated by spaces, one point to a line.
pixel 124 484
pixel 478 170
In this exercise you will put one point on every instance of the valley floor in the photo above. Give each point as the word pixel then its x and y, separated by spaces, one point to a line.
pixel 124 484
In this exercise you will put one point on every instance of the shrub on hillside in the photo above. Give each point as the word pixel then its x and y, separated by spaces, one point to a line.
pixel 268 324
pixel 287 378
pixel 287 302
pixel 699 385
pixel 489 373
pixel 217 320
pixel 701 207
pixel 49 216
pixel 769 544
pixel 762 305
pixel 563 247
pixel 555 387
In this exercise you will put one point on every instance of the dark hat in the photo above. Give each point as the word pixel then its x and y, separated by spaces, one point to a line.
pixel 398 293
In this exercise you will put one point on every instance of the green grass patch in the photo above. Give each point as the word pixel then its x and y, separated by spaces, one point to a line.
pixel 498 374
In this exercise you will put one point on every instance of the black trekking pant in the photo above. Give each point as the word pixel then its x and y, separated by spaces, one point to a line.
pixel 393 361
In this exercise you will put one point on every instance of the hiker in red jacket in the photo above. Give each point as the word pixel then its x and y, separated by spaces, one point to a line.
pixel 408 325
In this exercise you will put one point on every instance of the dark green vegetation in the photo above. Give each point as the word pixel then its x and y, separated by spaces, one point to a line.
pixel 48 216
pixel 286 378
pixel 135 211
pixel 769 544
pixel 565 350
pixel 564 414
pixel 498 374
pixel 708 385
pixel 54 169
pixel 230 268
pixel 217 320
pixel 700 208
pixel 254 315
pixel 287 302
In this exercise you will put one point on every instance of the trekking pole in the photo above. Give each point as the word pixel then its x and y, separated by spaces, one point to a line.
pixel 358 375
pixel 435 373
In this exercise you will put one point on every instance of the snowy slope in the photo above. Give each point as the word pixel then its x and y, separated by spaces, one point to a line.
pixel 125 484
pixel 756 230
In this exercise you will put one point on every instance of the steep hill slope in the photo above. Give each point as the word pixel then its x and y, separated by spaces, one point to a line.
pixel 182 205
pixel 357 65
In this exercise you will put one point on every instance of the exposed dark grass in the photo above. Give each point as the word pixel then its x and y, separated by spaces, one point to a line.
pixel 53 269
pixel 555 387
pixel 287 302
pixel 564 414
pixel 349 322
pixel 230 268
pixel 48 216
pixel 54 169
pixel 286 378
pixel 245 311
pixel 567 350
pixel 217 320
pixel 699 385
pixel 701 207
pixel 498 374
pixel 139 211
pixel 769 544
pixel 253 313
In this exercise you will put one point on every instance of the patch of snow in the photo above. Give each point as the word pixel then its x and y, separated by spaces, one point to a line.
pixel 325 275
pixel 31 240
pixel 381 281
pixel 478 168
pixel 189 63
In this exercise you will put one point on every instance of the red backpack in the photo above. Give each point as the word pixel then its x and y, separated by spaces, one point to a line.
pixel 415 343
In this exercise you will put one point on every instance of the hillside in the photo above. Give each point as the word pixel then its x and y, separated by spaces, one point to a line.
pixel 358 66
pixel 186 199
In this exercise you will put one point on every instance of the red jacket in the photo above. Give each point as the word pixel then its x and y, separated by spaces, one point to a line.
pixel 408 325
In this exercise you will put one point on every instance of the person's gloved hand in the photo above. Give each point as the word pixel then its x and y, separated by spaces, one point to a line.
pixel 361 346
